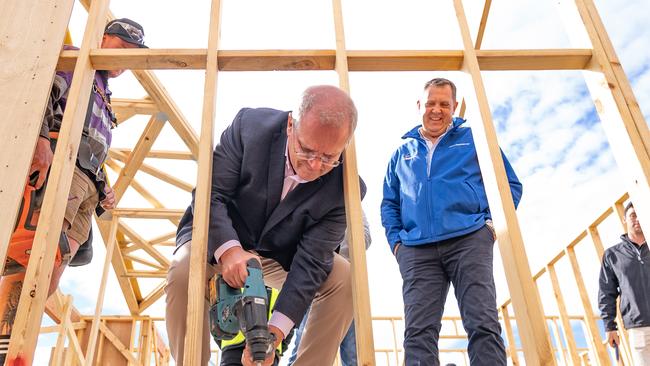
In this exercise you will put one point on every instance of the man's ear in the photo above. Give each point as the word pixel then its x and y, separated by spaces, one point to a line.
pixel 104 37
pixel 289 124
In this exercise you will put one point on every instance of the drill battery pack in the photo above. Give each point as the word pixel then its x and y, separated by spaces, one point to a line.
pixel 22 238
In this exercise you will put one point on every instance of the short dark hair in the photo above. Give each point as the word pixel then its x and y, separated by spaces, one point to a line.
pixel 627 207
pixel 440 82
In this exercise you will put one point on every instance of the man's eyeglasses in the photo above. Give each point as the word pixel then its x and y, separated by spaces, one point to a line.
pixel 310 156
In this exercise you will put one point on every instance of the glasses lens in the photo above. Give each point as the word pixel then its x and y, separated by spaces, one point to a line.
pixel 312 156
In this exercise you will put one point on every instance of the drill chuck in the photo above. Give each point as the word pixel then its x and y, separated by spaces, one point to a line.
pixel 244 310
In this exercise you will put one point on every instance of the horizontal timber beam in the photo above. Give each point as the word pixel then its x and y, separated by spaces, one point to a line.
pixel 294 60
pixel 146 274
pixel 134 106
pixel 161 154
pixel 148 213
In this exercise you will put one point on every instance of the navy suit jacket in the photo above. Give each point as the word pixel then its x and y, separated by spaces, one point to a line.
pixel 300 232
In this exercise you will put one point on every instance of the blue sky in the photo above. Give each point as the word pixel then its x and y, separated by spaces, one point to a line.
pixel 546 121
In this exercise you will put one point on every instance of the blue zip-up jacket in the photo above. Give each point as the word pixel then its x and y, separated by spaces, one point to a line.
pixel 449 202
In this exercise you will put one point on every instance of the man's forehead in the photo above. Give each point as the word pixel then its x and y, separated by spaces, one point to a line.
pixel 436 89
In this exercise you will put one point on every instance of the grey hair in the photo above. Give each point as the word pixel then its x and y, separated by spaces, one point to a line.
pixel 440 82
pixel 333 106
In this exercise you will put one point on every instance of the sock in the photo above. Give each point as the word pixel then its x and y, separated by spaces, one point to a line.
pixel 4 347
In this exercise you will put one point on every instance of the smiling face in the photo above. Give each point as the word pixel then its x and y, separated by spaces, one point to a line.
pixel 311 143
pixel 632 222
pixel 436 108
pixel 111 41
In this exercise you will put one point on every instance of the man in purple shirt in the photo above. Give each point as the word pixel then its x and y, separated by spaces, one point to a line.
pixel 277 196
pixel 88 189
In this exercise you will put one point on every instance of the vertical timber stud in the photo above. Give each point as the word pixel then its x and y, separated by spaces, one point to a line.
pixel 593 336
pixel 512 346
pixel 360 294
pixel 57 357
pixel 31 42
pixel 41 263
pixel 619 111
pixel 126 286
pixel 561 351
pixel 196 288
pixel 477 44
pixel 94 328
pixel 567 331
pixel 525 298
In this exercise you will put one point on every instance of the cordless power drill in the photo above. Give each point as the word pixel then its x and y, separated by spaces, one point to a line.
pixel 246 310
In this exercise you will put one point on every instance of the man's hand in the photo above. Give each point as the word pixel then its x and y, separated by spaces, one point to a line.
pixel 247 358
pixel 612 338
pixel 41 161
pixel 108 203
pixel 233 266
pixel 396 248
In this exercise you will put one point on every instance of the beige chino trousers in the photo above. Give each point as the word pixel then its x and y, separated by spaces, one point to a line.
pixel 328 322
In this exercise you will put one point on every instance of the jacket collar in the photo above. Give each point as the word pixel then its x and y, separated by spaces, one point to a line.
pixel 415 134
pixel 627 240
pixel 275 178
pixel 277 209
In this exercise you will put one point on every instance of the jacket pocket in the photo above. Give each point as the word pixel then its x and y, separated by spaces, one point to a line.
pixel 479 196
pixel 462 199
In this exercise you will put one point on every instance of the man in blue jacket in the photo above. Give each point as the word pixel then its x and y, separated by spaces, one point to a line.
pixel 438 225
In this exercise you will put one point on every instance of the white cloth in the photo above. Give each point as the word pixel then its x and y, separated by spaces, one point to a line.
pixel 640 345
pixel 431 147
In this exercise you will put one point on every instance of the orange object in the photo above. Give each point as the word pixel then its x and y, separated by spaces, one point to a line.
pixel 18 361
pixel 20 244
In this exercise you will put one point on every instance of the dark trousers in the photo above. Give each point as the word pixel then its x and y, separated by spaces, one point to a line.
pixel 427 271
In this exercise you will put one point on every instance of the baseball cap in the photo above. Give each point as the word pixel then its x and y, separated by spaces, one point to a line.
pixel 127 30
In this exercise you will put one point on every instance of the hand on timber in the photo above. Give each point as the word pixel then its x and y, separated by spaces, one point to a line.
pixel 108 203
pixel 612 338
pixel 41 161
pixel 233 266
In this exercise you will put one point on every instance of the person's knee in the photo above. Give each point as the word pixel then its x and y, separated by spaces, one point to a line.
pixel 59 268
pixel 341 273
pixel 178 273
pixel 54 281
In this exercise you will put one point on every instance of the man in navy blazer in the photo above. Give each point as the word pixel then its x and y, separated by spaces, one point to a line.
pixel 277 195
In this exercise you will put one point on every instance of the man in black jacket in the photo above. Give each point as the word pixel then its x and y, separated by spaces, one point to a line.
pixel 626 273
pixel 277 196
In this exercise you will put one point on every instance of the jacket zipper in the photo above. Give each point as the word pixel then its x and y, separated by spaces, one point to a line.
pixel 430 169
pixel 427 188
pixel 642 265
pixel 638 254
